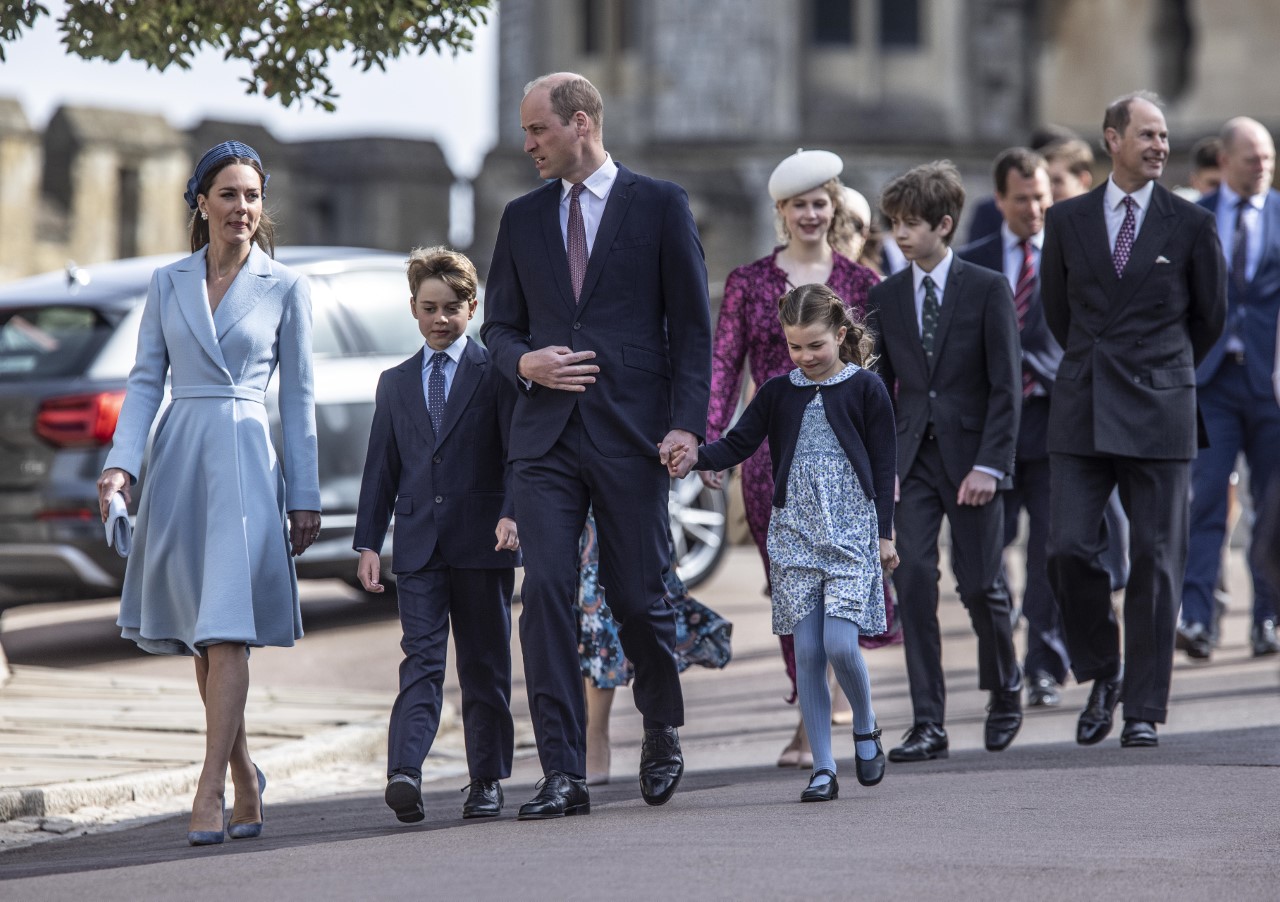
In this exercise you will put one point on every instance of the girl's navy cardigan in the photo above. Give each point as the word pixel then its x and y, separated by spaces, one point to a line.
pixel 860 414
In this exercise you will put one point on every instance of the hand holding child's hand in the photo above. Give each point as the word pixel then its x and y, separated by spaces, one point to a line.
pixel 681 461
pixel 888 555
pixel 508 539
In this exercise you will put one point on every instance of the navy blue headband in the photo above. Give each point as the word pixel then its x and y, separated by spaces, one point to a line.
pixel 215 155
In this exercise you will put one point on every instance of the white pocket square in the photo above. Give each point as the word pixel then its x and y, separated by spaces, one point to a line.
pixel 1162 259
pixel 119 529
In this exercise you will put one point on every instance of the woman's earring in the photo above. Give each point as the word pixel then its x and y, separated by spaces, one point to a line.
pixel 204 215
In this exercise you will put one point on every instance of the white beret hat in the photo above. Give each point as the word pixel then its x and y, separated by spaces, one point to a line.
pixel 803 171
pixel 857 204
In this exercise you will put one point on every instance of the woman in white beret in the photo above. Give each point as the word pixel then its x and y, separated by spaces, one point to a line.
pixel 813 221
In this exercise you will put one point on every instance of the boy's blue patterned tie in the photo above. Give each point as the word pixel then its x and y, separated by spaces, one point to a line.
pixel 435 390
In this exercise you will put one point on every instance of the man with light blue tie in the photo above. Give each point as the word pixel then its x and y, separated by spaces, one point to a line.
pixel 1233 383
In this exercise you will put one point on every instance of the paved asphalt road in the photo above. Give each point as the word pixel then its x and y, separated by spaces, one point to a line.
pixel 1194 819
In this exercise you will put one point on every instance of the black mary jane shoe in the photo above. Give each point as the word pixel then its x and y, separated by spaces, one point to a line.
pixel 823 792
pixel 869 771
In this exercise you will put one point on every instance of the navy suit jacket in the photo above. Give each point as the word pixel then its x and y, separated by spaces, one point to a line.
pixel 1252 314
pixel 973 391
pixel 1040 350
pixel 1127 385
pixel 644 310
pixel 447 490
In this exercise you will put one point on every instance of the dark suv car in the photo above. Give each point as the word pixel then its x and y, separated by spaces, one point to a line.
pixel 67 343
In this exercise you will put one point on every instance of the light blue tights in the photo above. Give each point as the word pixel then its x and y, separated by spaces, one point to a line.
pixel 820 639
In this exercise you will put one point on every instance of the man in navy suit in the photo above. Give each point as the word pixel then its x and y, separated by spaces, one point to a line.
pixel 1233 383
pixel 437 460
pixel 1133 287
pixel 596 307
pixel 1023 194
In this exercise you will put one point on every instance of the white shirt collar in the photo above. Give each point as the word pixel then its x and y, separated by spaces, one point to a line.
pixel 939 274
pixel 1011 240
pixel 1230 198
pixel 454 351
pixel 598 182
pixel 1114 197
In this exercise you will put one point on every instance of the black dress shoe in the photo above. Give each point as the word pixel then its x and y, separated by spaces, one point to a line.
pixel 1263 639
pixel 559 795
pixel 922 742
pixel 661 765
pixel 1042 691
pixel 1194 639
pixel 1138 734
pixel 404 797
pixel 484 799
pixel 870 771
pixel 1004 718
pixel 1095 719
pixel 823 792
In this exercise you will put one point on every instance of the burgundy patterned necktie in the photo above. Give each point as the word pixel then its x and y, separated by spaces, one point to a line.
pixel 1022 304
pixel 577 241
pixel 1124 238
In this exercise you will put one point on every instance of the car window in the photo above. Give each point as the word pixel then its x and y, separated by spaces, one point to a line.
pixel 49 341
pixel 378 302
pixel 118 353
pixel 324 325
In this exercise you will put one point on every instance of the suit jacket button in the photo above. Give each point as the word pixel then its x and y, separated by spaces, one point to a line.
pixel 932 393
pixel 436 459
pixel 439 499
pixel 577 326
pixel 1137 378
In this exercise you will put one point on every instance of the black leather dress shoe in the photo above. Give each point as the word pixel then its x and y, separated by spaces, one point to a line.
pixel 870 771
pixel 1042 691
pixel 1263 639
pixel 404 797
pixel 1095 719
pixel 559 795
pixel 484 799
pixel 661 765
pixel 922 742
pixel 1004 718
pixel 1138 734
pixel 1194 639
pixel 823 792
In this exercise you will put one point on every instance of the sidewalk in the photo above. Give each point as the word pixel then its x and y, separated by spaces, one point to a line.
pixel 70 739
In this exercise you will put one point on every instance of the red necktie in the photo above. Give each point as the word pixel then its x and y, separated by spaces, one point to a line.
pixel 1022 303
pixel 577 241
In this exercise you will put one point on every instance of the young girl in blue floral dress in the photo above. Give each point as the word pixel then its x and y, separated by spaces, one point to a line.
pixel 830 425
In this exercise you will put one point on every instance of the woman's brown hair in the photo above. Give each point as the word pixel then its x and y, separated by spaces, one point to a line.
pixel 264 237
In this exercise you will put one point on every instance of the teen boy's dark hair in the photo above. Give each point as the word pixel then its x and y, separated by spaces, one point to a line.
pixel 930 192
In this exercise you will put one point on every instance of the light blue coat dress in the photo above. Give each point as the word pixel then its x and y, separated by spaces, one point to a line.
pixel 210 561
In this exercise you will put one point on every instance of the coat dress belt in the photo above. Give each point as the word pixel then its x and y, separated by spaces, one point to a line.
pixel 240 392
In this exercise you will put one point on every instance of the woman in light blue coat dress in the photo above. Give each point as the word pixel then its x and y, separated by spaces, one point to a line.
pixel 211 572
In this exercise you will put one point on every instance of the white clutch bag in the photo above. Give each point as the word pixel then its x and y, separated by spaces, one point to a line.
pixel 119 529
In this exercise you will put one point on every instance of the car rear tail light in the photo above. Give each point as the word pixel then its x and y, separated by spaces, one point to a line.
pixel 78 513
pixel 79 420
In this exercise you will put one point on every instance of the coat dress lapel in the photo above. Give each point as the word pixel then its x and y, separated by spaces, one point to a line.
pixel 193 300
pixel 249 289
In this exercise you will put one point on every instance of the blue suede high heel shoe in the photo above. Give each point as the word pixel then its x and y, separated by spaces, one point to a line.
pixel 209 837
pixel 250 831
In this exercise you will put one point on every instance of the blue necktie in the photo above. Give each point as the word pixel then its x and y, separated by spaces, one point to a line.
pixel 435 390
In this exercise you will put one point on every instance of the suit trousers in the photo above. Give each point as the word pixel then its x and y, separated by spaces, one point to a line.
pixel 976 545
pixel 1154 494
pixel 629 498
pixel 478 604
pixel 1236 420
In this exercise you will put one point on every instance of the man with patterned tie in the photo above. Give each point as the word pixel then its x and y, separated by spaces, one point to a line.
pixel 947 341
pixel 1023 194
pixel 1134 288
pixel 596 307
pixel 1234 382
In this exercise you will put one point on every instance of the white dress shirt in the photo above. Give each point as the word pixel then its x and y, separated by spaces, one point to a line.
pixel 595 195
pixel 1113 208
pixel 1227 201
pixel 454 353
pixel 1013 254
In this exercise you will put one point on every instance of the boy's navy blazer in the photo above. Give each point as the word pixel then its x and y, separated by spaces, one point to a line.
pixel 643 309
pixel 448 490
pixel 1252 313
pixel 972 394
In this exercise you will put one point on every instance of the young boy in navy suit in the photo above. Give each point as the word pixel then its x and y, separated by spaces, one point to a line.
pixel 947 341
pixel 437 452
